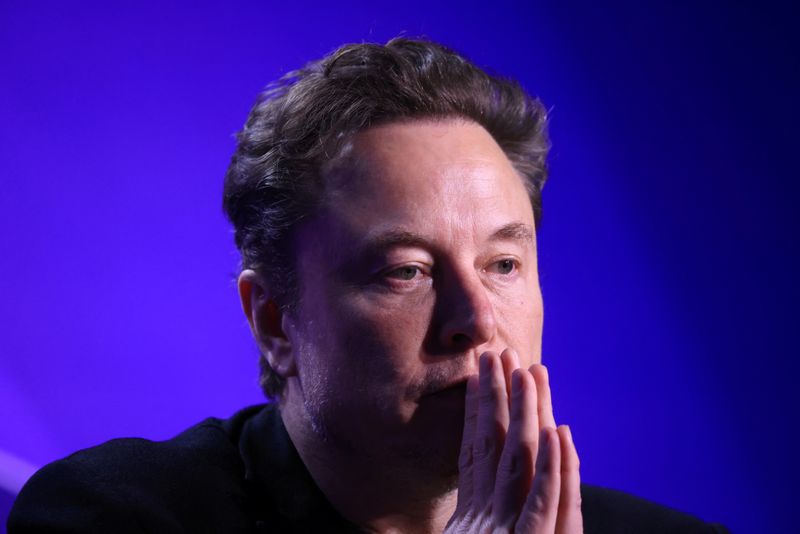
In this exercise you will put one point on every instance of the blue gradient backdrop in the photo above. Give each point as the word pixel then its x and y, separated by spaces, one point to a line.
pixel 668 250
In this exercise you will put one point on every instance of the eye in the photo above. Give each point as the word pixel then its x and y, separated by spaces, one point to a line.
pixel 406 272
pixel 505 266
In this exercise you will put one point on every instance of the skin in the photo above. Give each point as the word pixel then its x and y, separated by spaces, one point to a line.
pixel 414 391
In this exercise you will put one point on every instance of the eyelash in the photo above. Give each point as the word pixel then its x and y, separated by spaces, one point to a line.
pixel 419 270
pixel 514 265
pixel 403 268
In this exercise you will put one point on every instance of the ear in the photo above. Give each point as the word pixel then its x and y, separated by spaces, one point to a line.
pixel 266 323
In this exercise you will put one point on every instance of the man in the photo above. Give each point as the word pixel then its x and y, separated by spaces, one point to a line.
pixel 385 201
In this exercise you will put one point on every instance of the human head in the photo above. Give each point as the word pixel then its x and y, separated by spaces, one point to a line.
pixel 301 126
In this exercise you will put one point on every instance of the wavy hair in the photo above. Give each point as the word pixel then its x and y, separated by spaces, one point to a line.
pixel 301 123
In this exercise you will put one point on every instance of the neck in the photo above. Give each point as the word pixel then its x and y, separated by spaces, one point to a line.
pixel 373 492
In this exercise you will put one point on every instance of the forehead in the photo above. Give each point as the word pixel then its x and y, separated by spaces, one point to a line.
pixel 427 173
pixel 432 143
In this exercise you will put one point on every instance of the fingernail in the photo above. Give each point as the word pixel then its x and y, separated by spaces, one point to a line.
pixel 569 434
pixel 514 356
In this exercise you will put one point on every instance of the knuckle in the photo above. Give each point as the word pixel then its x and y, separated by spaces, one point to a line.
pixel 538 503
pixel 512 465
pixel 568 468
pixel 543 466
pixel 488 395
pixel 483 448
pixel 465 458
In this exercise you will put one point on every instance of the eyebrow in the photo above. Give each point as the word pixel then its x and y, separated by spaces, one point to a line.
pixel 516 231
pixel 398 238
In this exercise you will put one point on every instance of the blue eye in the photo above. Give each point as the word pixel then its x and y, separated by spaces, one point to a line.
pixel 506 266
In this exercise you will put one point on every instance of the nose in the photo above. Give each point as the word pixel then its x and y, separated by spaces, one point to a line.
pixel 467 313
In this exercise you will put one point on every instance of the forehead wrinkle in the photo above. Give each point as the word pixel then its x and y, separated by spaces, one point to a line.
pixel 463 189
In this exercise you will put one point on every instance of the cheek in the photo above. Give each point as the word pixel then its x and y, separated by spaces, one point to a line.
pixel 537 320
pixel 520 321
pixel 381 340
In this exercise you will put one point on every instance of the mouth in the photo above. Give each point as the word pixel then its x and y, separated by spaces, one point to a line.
pixel 457 389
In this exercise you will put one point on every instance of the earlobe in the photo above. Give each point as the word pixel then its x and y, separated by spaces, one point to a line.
pixel 279 354
pixel 266 323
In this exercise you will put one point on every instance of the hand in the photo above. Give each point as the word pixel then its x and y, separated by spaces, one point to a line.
pixel 518 472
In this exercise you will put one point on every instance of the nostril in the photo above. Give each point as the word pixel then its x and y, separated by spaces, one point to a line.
pixel 461 340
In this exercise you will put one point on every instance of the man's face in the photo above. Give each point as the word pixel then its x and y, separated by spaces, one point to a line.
pixel 422 258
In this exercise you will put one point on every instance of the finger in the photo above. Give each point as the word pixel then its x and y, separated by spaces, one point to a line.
pixel 515 470
pixel 570 518
pixel 510 360
pixel 465 456
pixel 541 506
pixel 491 427
pixel 540 374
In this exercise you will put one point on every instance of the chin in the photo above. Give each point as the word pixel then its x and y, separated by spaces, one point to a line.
pixel 431 466
pixel 432 448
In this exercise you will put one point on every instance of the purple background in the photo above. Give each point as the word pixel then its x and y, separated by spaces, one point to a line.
pixel 669 245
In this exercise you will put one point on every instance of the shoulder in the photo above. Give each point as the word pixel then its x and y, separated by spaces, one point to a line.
pixel 610 511
pixel 135 485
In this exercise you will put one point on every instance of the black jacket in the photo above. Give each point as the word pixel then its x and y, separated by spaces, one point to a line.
pixel 241 474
